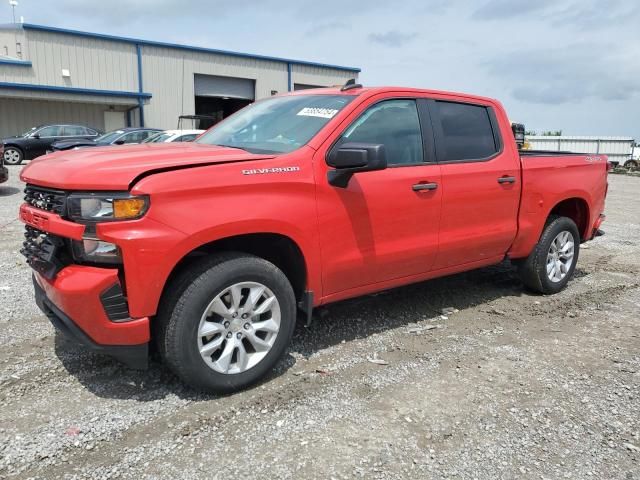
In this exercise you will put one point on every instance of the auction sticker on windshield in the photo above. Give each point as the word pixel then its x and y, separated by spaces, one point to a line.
pixel 317 112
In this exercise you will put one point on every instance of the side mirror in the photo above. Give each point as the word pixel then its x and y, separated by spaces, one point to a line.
pixel 119 142
pixel 350 158
pixel 36 136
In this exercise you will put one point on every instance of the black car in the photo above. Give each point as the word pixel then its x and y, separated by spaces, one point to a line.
pixel 38 140
pixel 117 137
pixel 4 172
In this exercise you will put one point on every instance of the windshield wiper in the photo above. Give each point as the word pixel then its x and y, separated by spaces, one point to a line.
pixel 231 146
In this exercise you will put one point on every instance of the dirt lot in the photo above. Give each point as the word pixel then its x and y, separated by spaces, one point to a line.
pixel 511 385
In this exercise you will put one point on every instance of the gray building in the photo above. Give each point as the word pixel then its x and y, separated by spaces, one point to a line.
pixel 55 75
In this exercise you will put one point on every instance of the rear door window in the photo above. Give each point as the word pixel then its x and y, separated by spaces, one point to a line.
pixel 74 131
pixel 466 132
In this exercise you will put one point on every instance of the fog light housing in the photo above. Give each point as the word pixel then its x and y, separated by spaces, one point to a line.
pixel 96 251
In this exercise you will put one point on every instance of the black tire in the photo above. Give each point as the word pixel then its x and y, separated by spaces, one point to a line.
pixel 15 159
pixel 533 270
pixel 631 164
pixel 188 296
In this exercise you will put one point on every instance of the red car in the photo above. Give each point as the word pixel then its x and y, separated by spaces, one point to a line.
pixel 210 248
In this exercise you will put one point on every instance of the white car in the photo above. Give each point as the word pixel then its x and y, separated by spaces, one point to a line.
pixel 174 136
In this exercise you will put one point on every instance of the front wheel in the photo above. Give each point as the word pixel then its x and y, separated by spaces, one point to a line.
pixel 227 322
pixel 13 156
pixel 552 262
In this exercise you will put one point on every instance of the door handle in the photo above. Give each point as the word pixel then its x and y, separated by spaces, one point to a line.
pixel 424 186
pixel 507 179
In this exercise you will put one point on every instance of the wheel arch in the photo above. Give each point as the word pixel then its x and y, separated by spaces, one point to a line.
pixel 279 249
pixel 13 145
pixel 577 209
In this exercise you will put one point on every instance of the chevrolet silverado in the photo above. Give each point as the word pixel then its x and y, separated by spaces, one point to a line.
pixel 211 250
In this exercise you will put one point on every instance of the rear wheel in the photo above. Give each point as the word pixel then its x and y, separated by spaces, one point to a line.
pixel 552 262
pixel 13 156
pixel 227 322
pixel 631 164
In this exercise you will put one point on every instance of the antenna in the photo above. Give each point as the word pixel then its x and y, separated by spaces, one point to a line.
pixel 351 83
pixel 14 4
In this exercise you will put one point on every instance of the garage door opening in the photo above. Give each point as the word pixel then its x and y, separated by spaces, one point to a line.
pixel 220 97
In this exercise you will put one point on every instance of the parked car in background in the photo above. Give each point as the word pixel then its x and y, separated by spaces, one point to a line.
pixel 4 172
pixel 169 136
pixel 122 136
pixel 38 140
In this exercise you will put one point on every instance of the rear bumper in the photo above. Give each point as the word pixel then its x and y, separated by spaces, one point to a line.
pixel 596 231
pixel 73 305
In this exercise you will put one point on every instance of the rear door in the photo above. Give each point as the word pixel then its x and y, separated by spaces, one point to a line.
pixel 71 132
pixel 480 180
pixel 382 226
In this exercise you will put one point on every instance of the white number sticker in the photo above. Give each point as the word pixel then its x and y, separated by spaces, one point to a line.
pixel 317 112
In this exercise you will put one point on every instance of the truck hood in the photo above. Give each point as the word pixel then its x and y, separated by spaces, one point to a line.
pixel 117 167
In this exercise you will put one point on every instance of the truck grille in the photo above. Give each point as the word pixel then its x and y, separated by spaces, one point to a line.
pixel 41 250
pixel 46 199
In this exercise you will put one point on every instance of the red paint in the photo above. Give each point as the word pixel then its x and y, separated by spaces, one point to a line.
pixel 376 233
pixel 76 291
pixel 50 222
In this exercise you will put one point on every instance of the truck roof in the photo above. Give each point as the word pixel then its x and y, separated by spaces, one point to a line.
pixel 337 90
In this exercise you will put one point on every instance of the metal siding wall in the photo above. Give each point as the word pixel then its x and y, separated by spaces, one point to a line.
pixel 93 63
pixel 173 91
pixel 608 146
pixel 8 38
pixel 168 73
pixel 19 115
pixel 320 76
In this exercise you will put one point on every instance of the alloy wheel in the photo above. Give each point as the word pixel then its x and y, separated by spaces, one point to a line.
pixel 12 156
pixel 239 327
pixel 560 256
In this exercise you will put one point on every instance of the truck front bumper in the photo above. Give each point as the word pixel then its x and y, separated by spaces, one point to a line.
pixel 74 303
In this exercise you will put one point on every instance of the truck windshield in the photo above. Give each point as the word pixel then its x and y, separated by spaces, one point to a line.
pixel 276 125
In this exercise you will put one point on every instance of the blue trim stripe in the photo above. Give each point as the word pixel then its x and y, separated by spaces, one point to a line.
pixel 19 63
pixel 151 43
pixel 74 90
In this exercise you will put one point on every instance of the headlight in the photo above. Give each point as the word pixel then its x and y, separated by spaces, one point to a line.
pixel 97 251
pixel 106 207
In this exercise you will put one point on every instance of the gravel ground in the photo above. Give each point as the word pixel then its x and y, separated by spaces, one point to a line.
pixel 504 385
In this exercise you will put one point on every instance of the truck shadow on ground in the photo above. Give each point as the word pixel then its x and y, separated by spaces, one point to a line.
pixel 344 321
pixel 8 191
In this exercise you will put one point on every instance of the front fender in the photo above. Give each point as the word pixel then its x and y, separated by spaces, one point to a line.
pixel 198 206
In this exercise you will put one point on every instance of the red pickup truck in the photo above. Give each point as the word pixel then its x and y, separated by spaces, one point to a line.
pixel 210 249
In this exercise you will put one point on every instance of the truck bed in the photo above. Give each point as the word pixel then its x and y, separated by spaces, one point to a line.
pixel 549 178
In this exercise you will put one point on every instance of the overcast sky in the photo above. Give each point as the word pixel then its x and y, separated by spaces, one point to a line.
pixel 555 64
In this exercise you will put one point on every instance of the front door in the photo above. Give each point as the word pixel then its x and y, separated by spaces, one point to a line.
pixel 46 136
pixel 384 224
